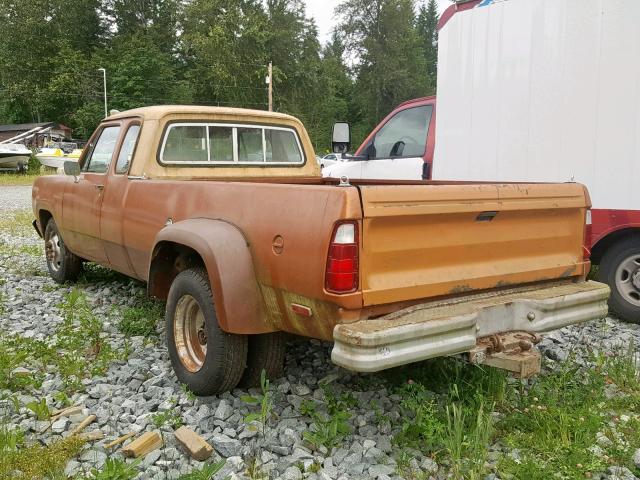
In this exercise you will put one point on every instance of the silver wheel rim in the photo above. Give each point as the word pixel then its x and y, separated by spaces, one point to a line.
pixel 53 251
pixel 189 333
pixel 628 279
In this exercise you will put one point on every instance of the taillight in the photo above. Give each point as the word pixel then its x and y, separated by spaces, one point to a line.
pixel 342 260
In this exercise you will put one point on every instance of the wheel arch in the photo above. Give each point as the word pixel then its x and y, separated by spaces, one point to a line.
pixel 224 252
pixel 44 216
pixel 607 241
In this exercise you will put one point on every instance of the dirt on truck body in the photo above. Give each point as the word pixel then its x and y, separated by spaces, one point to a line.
pixel 225 215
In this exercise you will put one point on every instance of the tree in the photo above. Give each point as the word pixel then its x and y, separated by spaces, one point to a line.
pixel 390 64
pixel 157 19
pixel 427 25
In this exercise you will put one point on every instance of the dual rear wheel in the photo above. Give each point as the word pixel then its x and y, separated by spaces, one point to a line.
pixel 206 358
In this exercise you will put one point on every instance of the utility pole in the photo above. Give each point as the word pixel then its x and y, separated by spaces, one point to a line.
pixel 270 82
pixel 104 83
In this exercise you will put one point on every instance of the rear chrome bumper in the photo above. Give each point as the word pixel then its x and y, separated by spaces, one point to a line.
pixel 437 329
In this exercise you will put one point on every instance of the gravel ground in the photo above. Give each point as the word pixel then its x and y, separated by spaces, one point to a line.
pixel 15 198
pixel 131 392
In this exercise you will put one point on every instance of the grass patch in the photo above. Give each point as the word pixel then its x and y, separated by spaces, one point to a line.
pixel 446 412
pixel 142 318
pixel 93 273
pixel 330 426
pixel 18 223
pixel 13 179
pixel 557 422
pixel 35 461
pixel 78 350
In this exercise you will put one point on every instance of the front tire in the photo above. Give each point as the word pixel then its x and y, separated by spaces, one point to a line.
pixel 620 269
pixel 63 265
pixel 204 357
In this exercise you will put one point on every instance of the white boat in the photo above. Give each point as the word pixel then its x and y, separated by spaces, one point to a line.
pixel 14 156
pixel 55 155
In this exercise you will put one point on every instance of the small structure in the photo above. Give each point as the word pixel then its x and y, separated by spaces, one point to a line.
pixel 35 134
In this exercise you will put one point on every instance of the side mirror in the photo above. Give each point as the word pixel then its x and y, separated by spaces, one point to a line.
pixel 71 168
pixel 341 138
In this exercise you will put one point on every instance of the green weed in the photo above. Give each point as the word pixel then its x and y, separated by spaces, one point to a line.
pixel 331 427
pixel 265 402
pixel 142 318
pixel 116 469
pixel 79 349
pixel 204 473
pixel 40 409
pixel 169 417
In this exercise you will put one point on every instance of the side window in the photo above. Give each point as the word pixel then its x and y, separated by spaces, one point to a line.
pixel 126 151
pixel 404 135
pixel 99 159
pixel 281 146
pixel 250 145
pixel 220 144
pixel 186 143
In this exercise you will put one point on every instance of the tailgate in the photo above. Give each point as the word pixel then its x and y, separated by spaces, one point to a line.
pixel 422 241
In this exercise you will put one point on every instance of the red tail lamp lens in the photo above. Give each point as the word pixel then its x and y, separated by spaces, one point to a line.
pixel 342 260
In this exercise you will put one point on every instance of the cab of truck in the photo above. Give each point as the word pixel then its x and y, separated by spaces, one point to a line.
pixel 401 147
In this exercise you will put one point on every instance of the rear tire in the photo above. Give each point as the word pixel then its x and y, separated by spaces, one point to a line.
pixel 204 357
pixel 266 352
pixel 63 265
pixel 620 269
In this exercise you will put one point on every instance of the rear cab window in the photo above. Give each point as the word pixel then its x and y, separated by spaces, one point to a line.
pixel 209 144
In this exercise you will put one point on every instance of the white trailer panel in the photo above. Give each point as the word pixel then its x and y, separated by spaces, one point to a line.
pixel 543 90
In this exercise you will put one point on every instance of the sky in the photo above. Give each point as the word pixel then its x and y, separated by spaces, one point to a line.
pixel 322 11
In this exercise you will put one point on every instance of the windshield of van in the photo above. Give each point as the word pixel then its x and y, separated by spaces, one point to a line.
pixel 404 135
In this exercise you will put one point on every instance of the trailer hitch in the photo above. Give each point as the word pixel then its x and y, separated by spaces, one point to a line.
pixel 515 352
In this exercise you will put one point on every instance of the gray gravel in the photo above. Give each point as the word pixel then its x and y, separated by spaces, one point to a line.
pixel 126 398
pixel 15 198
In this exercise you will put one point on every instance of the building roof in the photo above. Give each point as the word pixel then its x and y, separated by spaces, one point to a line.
pixel 18 127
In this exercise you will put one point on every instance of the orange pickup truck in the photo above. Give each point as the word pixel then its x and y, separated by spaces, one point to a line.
pixel 224 213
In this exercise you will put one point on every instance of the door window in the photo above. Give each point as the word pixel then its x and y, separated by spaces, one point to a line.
pixel 126 151
pixel 100 156
pixel 404 135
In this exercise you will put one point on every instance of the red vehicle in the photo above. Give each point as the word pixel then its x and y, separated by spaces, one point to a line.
pixel 516 103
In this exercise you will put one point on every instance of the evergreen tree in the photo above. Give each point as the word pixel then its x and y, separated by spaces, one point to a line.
pixel 390 68
pixel 427 25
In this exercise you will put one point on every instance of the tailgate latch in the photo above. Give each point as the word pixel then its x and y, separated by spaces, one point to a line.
pixel 515 352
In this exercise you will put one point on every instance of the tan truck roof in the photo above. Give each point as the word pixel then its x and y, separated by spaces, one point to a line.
pixel 155 118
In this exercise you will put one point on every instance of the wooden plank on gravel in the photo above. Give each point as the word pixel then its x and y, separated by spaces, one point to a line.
pixel 197 446
pixel 66 412
pixel 83 424
pixel 142 445
pixel 92 436
pixel 119 440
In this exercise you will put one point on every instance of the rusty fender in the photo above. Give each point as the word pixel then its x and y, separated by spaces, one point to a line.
pixel 227 257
